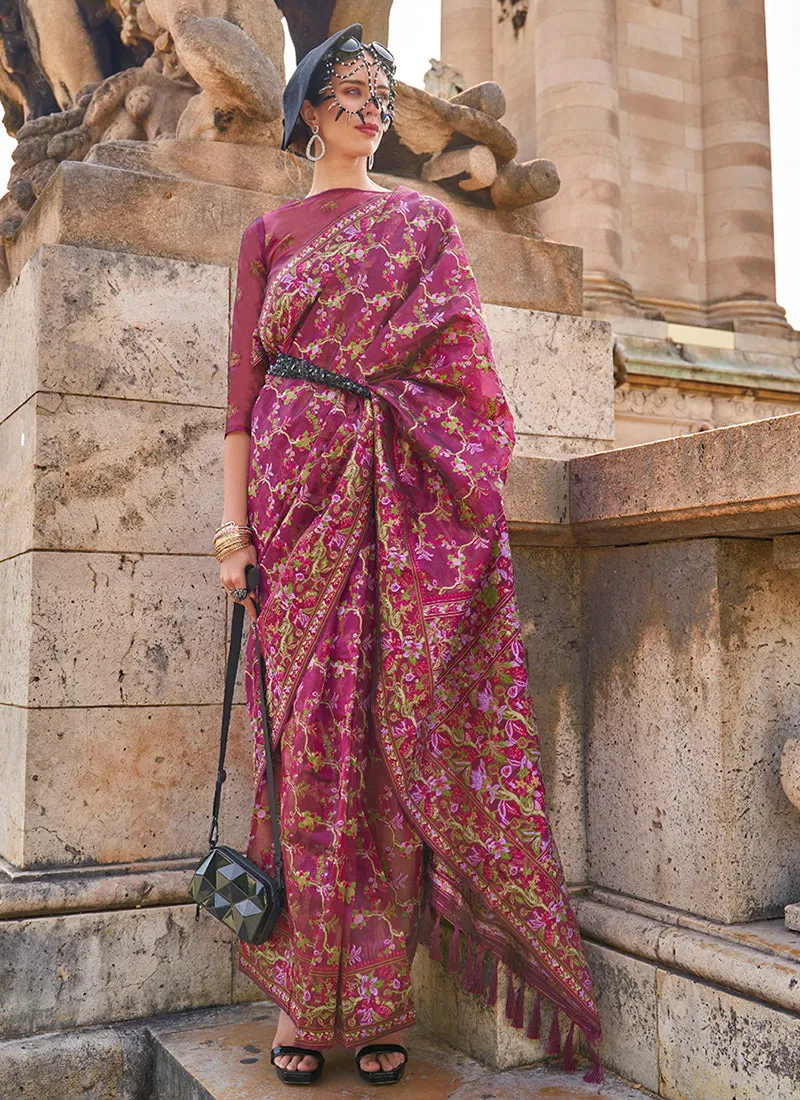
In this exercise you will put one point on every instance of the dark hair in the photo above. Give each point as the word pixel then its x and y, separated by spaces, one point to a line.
pixel 298 139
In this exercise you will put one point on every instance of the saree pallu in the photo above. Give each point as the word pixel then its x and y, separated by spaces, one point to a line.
pixel 408 756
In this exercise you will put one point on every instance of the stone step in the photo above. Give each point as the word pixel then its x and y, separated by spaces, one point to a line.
pixel 227 1058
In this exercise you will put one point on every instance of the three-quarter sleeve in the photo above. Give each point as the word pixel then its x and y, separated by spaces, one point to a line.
pixel 247 364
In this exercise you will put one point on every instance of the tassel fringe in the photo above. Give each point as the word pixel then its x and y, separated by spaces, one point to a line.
pixel 594 1075
pixel 473 979
pixel 452 954
pixel 519 1007
pixel 568 1059
pixel 479 984
pixel 425 927
pixel 535 1022
pixel 553 1045
pixel 510 998
pixel 466 973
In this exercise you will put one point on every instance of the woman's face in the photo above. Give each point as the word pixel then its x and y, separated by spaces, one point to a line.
pixel 351 134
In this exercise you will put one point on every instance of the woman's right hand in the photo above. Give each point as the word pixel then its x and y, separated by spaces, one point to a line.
pixel 231 574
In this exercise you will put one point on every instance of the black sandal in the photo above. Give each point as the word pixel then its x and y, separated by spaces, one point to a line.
pixel 296 1076
pixel 382 1076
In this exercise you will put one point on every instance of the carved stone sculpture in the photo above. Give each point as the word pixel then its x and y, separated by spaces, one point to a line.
pixel 77 73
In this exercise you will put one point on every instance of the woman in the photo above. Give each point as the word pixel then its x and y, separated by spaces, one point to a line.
pixel 408 757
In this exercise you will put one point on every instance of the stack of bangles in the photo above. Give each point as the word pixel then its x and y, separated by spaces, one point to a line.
pixel 229 538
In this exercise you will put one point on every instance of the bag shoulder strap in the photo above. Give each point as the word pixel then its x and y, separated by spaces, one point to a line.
pixel 237 628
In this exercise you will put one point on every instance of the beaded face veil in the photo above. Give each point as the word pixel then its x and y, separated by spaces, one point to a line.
pixel 359 61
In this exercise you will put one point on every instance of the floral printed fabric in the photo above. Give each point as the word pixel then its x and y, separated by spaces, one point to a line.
pixel 408 763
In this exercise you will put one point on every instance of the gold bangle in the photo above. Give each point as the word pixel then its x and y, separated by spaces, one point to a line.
pixel 233 533
pixel 221 540
pixel 231 525
pixel 231 544
pixel 220 555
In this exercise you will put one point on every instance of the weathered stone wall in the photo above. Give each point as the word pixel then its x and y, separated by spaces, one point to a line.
pixel 691 653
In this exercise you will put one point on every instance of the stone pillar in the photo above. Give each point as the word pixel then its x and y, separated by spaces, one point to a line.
pixel 577 109
pixel 467 38
pixel 737 167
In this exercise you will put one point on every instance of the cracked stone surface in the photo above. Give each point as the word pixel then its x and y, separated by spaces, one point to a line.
pixel 89 968
pixel 113 324
pixel 118 784
pixel 114 630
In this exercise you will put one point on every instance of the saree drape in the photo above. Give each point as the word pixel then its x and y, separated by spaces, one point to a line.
pixel 408 753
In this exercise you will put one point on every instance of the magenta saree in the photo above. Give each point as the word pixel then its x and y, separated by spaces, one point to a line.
pixel 408 761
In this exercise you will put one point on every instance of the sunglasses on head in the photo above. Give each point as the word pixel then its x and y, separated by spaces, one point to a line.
pixel 351 46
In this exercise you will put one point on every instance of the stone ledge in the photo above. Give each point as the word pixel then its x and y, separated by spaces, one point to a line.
pixel 184 219
pixel 59 972
pixel 757 959
pixel 121 1061
pixel 755 372
pixel 741 480
pixel 46 892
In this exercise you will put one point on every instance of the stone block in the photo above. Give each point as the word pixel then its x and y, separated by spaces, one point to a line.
pixel 653 682
pixel 100 1063
pixel 654 83
pixel 19 321
pixel 87 968
pixel 118 784
pixel 13 744
pixel 16 629
pixel 462 1019
pixel 536 501
pixel 638 326
pixel 547 584
pixel 625 994
pixel 655 39
pixel 557 373
pixel 689 702
pixel 786 551
pixel 17 488
pixel 109 474
pixel 112 629
pixel 86 320
pixel 759 614
pixel 740 480
pixel 716 1045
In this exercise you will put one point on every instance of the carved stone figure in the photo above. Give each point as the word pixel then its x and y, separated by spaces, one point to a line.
pixel 76 73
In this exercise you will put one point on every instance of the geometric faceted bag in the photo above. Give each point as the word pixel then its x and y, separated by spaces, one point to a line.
pixel 226 884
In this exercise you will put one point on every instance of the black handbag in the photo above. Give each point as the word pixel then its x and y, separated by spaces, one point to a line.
pixel 226 884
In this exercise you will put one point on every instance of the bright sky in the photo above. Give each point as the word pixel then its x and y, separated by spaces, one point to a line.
pixel 414 38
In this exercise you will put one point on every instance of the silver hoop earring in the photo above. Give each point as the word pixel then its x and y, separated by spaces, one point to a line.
pixel 318 137
pixel 370 160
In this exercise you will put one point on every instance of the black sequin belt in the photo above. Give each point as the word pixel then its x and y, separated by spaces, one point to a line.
pixel 291 367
